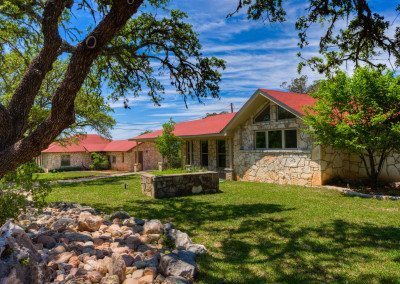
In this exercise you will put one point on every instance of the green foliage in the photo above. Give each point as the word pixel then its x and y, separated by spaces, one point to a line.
pixel 300 85
pixel 19 188
pixel 99 162
pixel 92 110
pixel 360 114
pixel 366 37
pixel 169 145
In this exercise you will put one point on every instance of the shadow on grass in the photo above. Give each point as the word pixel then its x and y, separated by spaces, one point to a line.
pixel 260 243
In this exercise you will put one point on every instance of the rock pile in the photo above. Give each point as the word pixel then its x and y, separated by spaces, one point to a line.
pixel 70 243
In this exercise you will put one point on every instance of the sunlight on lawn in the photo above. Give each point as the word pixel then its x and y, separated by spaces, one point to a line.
pixel 259 233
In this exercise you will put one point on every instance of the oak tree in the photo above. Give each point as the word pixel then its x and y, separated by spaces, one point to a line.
pixel 124 45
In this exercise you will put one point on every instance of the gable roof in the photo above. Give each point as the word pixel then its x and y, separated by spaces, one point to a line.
pixel 90 143
pixel 292 102
pixel 211 125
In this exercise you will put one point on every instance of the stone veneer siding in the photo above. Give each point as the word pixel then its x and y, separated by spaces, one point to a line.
pixel 52 161
pixel 165 186
pixel 336 163
pixel 125 161
pixel 293 166
pixel 151 156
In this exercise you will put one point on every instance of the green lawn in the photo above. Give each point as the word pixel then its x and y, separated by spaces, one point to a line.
pixel 259 233
pixel 68 175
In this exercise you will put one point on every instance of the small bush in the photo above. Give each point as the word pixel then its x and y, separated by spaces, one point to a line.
pixel 99 162
pixel 67 169
pixel 18 189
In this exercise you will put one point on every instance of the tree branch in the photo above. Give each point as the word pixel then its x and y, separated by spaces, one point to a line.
pixel 62 113
pixel 24 96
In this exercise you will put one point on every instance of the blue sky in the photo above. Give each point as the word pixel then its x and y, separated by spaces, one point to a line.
pixel 258 55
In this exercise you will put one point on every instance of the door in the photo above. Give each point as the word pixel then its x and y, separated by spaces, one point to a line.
pixel 140 158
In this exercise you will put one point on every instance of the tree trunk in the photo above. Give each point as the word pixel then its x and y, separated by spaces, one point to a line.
pixel 24 149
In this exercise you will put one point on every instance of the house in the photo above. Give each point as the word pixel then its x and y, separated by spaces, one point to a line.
pixel 76 153
pixel 265 141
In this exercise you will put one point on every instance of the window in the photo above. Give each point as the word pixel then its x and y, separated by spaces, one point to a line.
pixel 291 139
pixel 261 140
pixel 275 139
pixel 123 157
pixel 221 154
pixel 284 114
pixel 263 115
pixel 204 153
pixel 113 159
pixel 189 152
pixel 65 160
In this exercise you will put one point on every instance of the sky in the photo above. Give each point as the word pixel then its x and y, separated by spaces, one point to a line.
pixel 257 54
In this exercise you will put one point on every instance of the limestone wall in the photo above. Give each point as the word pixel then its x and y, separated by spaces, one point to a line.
pixel 151 156
pixel 293 166
pixel 52 161
pixel 179 184
pixel 125 161
pixel 335 163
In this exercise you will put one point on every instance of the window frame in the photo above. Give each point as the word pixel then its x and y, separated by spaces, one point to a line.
pixel 283 137
pixel 260 111
pixel 280 119
pixel 221 154
pixel 189 153
pixel 62 160
pixel 202 154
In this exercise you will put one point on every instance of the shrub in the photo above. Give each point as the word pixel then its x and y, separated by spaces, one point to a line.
pixel 99 162
pixel 67 169
pixel 169 145
pixel 19 188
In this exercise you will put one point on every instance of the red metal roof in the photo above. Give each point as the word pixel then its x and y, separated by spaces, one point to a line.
pixel 120 146
pixel 205 126
pixel 90 143
pixel 294 101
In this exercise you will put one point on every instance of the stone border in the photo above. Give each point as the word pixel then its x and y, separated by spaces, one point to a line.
pixel 350 192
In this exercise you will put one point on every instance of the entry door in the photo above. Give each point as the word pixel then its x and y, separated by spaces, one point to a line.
pixel 140 157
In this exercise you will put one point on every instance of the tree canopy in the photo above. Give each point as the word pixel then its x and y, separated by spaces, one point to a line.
pixel 300 85
pixel 359 114
pixel 67 48
pixel 169 145
pixel 366 38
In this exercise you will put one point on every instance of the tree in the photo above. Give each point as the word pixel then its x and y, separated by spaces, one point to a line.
pixel 367 36
pixel 125 52
pixel 99 162
pixel 169 145
pixel 208 114
pixel 300 85
pixel 359 114
pixel 91 108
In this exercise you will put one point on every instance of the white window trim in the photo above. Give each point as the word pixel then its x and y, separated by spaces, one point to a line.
pixel 283 139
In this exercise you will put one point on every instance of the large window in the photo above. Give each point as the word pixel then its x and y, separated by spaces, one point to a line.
pixel 276 139
pixel 263 115
pixel 204 153
pixel 284 114
pixel 65 160
pixel 221 154
pixel 261 140
pixel 189 152
pixel 290 139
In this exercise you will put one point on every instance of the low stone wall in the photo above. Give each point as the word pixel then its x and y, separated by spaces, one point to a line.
pixel 164 186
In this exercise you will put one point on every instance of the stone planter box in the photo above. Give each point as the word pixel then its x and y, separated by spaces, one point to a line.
pixel 164 186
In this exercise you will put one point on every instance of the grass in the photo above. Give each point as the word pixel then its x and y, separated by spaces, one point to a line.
pixel 172 172
pixel 68 175
pixel 258 233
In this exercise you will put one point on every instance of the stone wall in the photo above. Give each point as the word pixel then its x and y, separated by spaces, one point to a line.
pixel 125 161
pixel 165 186
pixel 292 166
pixel 52 161
pixel 151 156
pixel 335 163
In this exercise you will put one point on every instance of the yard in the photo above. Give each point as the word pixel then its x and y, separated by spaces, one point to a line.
pixel 260 233
pixel 70 175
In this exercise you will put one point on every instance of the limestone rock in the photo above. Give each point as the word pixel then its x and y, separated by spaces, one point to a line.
pixel 153 227
pixel 179 263
pixel 89 222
